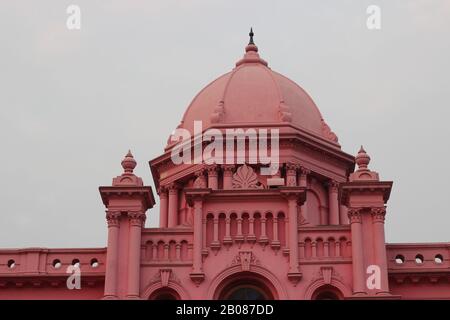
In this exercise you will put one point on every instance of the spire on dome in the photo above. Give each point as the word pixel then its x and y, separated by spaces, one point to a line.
pixel 251 34
pixel 128 163
pixel 251 53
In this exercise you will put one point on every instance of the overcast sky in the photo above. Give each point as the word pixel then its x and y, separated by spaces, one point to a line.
pixel 72 102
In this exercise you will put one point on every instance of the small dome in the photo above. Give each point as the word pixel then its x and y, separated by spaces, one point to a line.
pixel 253 94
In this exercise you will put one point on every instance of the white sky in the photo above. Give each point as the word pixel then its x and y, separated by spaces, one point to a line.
pixel 73 102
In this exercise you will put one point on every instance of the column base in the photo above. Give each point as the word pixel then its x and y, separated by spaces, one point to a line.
pixel 133 297
pixel 110 297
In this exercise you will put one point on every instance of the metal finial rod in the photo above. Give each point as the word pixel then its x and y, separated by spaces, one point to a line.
pixel 251 34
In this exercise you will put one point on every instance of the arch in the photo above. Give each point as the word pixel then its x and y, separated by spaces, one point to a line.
pixel 230 274
pixel 155 287
pixel 327 292
pixel 318 285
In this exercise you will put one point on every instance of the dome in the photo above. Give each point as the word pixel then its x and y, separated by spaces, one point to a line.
pixel 254 94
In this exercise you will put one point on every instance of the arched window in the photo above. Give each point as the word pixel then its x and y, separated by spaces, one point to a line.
pixel 164 294
pixel 246 286
pixel 327 292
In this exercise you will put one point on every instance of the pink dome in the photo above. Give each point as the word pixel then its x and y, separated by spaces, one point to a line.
pixel 252 93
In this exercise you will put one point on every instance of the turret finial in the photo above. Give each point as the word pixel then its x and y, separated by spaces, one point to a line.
pixel 251 34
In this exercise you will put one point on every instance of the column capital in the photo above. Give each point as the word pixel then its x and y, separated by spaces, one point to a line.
pixel 333 185
pixel 173 187
pixel 378 214
pixel 354 215
pixel 112 218
pixel 212 169
pixel 137 218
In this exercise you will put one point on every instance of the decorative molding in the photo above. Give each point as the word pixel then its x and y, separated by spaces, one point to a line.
pixel 378 214
pixel 164 277
pixel 245 259
pixel 354 215
pixel 246 178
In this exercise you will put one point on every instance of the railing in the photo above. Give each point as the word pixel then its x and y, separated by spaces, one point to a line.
pixel 324 243
pixel 418 256
pixel 173 246
pixel 41 261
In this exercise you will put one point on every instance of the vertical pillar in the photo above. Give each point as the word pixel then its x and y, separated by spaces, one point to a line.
pixel 263 238
pixel 136 220
pixel 251 229
pixel 112 255
pixel 213 182
pixel 239 235
pixel 359 287
pixel 293 235
pixel 215 242
pixel 227 238
pixel 163 206
pixel 275 229
pixel 378 216
pixel 333 202
pixel 197 270
pixel 173 206
pixel 227 176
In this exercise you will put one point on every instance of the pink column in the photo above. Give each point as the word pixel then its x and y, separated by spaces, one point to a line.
pixel 173 206
pixel 213 182
pixel 112 255
pixel 263 237
pixel 239 236
pixel 293 235
pixel 333 202
pixel 275 229
pixel 357 252
pixel 227 238
pixel 378 216
pixel 227 176
pixel 163 206
pixel 251 229
pixel 216 231
pixel 197 254
pixel 136 220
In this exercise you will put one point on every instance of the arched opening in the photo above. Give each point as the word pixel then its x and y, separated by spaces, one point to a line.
pixel 327 292
pixel 246 286
pixel 165 294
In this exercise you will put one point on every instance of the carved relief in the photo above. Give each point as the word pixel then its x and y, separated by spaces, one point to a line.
pixel 245 259
pixel 164 276
pixel 246 178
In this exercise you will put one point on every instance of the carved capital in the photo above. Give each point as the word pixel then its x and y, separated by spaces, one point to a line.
pixel 304 171
pixel 200 181
pixel 378 214
pixel 354 215
pixel 136 218
pixel 333 186
pixel 212 170
pixel 173 188
pixel 162 191
pixel 228 169
pixel 112 218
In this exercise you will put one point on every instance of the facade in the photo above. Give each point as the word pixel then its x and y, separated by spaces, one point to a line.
pixel 314 229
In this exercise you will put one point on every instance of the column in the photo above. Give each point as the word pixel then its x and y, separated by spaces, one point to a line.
pixel 333 202
pixel 163 206
pixel 173 206
pixel 251 229
pixel 213 182
pixel 197 254
pixel 293 235
pixel 239 236
pixel 227 238
pixel 378 216
pixel 227 176
pixel 263 237
pixel 215 242
pixel 112 255
pixel 359 286
pixel 275 229
pixel 136 220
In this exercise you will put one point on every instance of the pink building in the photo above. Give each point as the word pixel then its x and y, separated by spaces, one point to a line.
pixel 314 229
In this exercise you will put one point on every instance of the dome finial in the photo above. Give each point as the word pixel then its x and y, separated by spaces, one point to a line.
pixel 251 34
pixel 362 159
pixel 128 163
